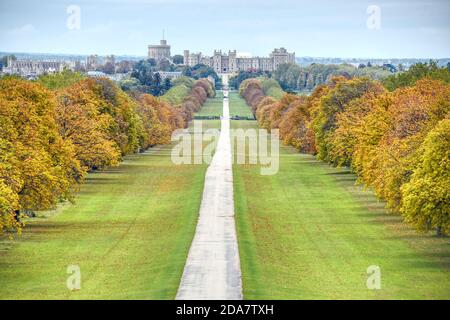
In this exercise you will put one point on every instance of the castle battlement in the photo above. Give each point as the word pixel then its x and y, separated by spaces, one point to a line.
pixel 224 63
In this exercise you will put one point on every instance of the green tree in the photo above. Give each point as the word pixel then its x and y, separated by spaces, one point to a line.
pixel 109 68
pixel 167 84
pixel 4 60
pixel 416 72
pixel 183 80
pixel 178 59
pixel 60 80
pixel 156 86
pixel 130 84
pixel 164 65
pixel 236 81
pixel 143 71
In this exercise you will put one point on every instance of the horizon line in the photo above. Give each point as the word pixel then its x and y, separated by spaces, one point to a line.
pixel 143 56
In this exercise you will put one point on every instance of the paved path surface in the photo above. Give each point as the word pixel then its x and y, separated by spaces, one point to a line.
pixel 212 270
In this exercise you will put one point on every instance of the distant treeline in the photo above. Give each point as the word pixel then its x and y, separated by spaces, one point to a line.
pixel 145 77
pixel 294 78
pixel 395 137
pixel 55 130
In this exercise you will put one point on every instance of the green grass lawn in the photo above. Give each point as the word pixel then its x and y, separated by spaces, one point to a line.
pixel 238 107
pixel 129 232
pixel 213 107
pixel 309 233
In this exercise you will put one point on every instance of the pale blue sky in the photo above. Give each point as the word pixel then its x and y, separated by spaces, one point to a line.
pixel 414 28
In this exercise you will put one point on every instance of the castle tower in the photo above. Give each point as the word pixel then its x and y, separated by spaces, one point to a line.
pixel 217 61
pixel 186 57
pixel 232 61
pixel 9 61
pixel 159 52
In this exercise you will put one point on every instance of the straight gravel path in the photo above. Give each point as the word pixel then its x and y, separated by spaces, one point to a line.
pixel 212 269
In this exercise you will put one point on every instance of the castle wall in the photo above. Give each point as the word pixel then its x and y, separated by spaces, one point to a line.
pixel 221 62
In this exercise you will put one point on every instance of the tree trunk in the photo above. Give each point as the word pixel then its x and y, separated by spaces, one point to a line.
pixel 17 215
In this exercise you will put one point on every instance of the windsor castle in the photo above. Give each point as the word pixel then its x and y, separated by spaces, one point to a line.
pixel 230 63
pixel 225 63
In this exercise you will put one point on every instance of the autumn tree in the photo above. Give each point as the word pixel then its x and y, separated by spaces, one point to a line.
pixel 280 109
pixel 126 126
pixel 9 199
pixel 156 120
pixel 81 121
pixel 426 197
pixel 263 112
pixel 187 96
pixel 349 124
pixel 410 115
pixel 296 126
pixel 335 102
pixel 396 142
pixel 38 168
pixel 251 90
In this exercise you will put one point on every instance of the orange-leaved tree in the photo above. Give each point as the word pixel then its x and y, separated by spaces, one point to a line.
pixel 81 121
pixel 38 168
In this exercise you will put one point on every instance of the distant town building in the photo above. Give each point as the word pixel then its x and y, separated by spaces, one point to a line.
pixel 92 62
pixel 159 51
pixel 31 68
pixel 124 66
pixel 96 74
pixel 101 74
pixel 170 74
pixel 110 59
pixel 79 66
pixel 109 64
pixel 232 63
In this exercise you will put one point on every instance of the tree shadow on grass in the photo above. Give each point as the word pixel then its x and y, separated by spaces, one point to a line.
pixel 102 180
pixel 431 261
pixel 341 172
pixel 42 227
pixel 109 170
pixel 346 178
